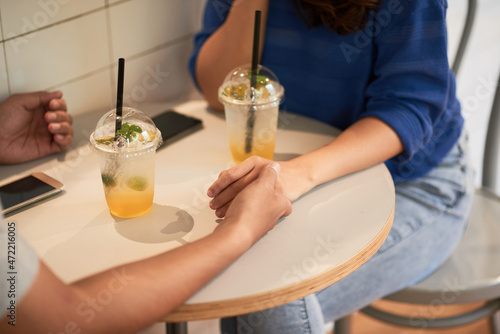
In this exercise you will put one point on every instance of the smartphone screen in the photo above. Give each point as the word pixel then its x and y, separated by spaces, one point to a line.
pixel 24 191
pixel 174 125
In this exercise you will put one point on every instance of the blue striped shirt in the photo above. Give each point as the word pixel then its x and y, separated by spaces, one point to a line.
pixel 396 69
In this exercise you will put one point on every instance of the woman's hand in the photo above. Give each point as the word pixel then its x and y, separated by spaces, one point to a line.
pixel 232 181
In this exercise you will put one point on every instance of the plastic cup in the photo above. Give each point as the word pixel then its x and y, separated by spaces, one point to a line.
pixel 251 123
pixel 127 164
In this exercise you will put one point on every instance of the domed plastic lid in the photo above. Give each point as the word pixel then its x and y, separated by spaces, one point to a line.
pixel 137 132
pixel 237 89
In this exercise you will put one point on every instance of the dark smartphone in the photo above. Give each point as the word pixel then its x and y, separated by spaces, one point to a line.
pixel 174 125
pixel 27 190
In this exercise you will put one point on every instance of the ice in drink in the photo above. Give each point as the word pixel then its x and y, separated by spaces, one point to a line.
pixel 251 112
pixel 127 161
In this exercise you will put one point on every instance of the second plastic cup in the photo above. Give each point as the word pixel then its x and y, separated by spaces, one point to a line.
pixel 127 164
pixel 251 123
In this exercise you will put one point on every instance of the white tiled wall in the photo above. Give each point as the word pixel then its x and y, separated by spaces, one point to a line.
pixel 55 55
pixel 74 45
pixel 25 16
pixel 142 25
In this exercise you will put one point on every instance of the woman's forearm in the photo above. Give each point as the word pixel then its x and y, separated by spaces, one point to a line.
pixel 229 47
pixel 366 143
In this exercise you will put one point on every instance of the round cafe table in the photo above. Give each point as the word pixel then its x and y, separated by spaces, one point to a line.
pixel 332 231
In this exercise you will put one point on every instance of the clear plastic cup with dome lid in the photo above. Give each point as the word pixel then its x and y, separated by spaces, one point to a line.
pixel 127 161
pixel 251 112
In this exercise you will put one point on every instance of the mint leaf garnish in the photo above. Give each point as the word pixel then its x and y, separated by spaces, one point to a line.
pixel 128 130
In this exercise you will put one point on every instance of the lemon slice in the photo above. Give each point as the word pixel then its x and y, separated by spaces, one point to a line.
pixel 105 140
pixel 147 136
pixel 137 183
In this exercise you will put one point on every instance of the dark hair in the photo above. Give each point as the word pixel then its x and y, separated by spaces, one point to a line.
pixel 341 16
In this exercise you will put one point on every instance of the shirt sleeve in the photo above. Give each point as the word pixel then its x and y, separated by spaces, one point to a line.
pixel 18 268
pixel 410 87
pixel 215 14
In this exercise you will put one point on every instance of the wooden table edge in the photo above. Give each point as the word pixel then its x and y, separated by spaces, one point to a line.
pixel 281 296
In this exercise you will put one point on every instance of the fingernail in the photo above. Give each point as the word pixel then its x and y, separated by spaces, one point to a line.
pixel 211 205
pixel 55 126
pixel 276 166
pixel 210 193
pixel 218 213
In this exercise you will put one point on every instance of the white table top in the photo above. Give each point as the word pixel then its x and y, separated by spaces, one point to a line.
pixel 333 229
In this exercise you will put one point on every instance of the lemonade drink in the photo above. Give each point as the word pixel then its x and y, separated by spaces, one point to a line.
pixel 127 163
pixel 264 132
pixel 251 112
pixel 128 181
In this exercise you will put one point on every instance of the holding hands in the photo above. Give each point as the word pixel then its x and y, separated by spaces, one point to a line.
pixel 257 207
pixel 234 180
pixel 33 125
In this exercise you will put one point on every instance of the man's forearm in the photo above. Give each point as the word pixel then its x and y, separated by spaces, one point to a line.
pixel 128 298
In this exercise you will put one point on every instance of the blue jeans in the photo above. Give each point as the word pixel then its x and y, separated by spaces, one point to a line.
pixel 430 218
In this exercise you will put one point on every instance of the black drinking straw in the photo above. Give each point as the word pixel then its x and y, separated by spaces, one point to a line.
pixel 253 82
pixel 119 95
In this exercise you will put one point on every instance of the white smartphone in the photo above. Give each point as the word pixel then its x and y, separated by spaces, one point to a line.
pixel 27 190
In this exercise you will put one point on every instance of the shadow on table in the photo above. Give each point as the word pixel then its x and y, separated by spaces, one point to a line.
pixel 162 224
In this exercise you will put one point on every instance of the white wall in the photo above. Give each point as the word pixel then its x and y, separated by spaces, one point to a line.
pixel 479 71
pixel 74 45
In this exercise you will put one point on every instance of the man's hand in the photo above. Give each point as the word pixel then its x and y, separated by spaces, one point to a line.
pixel 231 182
pixel 256 209
pixel 33 125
